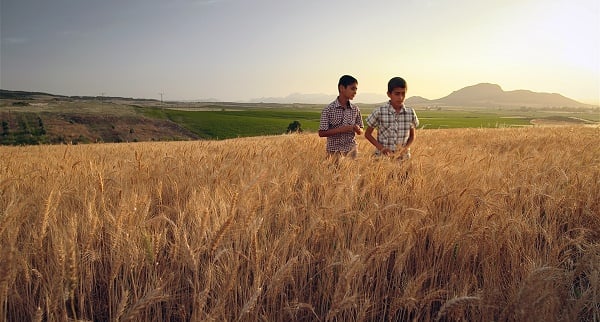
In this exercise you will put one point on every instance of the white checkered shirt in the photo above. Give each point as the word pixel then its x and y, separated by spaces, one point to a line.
pixel 393 127
pixel 335 115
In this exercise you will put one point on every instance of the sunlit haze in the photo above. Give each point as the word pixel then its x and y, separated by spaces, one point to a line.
pixel 242 49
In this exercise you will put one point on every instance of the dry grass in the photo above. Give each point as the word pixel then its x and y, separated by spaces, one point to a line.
pixel 489 225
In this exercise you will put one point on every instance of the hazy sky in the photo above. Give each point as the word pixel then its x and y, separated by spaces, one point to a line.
pixel 242 49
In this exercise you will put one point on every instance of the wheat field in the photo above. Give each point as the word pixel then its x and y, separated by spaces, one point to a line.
pixel 480 225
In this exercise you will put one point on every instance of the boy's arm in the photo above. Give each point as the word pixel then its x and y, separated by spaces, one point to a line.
pixel 413 130
pixel 359 120
pixel 411 137
pixel 378 146
pixel 325 131
pixel 338 130
pixel 359 124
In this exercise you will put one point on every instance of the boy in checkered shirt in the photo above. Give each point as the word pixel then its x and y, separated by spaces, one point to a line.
pixel 341 120
pixel 395 123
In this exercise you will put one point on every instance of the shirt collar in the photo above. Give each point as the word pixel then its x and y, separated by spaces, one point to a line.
pixel 391 108
pixel 338 105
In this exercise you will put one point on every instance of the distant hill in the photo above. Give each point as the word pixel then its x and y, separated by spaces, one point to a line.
pixel 24 95
pixel 492 95
pixel 480 95
pixel 319 98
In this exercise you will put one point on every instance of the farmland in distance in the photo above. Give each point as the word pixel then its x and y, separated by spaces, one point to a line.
pixel 52 120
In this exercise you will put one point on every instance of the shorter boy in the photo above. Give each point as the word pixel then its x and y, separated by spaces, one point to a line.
pixel 395 123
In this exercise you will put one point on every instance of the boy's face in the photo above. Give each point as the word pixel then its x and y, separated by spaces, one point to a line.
pixel 397 96
pixel 348 91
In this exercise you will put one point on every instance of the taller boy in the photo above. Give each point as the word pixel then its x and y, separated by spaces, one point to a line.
pixel 395 123
pixel 341 120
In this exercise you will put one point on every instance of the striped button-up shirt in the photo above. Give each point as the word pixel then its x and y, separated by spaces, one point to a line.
pixel 335 115
pixel 393 127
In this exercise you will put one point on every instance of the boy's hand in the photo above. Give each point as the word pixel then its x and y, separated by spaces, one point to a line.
pixel 386 151
pixel 402 151
pixel 357 129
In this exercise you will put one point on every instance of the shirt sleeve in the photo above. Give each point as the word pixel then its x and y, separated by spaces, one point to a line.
pixel 415 119
pixel 324 123
pixel 359 119
pixel 373 119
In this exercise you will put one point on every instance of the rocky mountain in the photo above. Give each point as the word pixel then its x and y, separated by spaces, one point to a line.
pixel 480 95
pixel 492 95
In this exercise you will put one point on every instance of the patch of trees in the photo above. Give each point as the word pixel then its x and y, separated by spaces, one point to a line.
pixel 294 127
pixel 23 129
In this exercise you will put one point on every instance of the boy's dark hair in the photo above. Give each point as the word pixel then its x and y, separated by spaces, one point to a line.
pixel 347 80
pixel 396 82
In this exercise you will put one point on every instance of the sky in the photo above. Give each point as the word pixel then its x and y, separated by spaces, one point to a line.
pixel 235 50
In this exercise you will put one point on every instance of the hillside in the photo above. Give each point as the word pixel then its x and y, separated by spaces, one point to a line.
pixel 30 96
pixel 492 95
pixel 34 118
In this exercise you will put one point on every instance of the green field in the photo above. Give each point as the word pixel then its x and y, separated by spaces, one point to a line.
pixel 239 123
pixel 223 124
